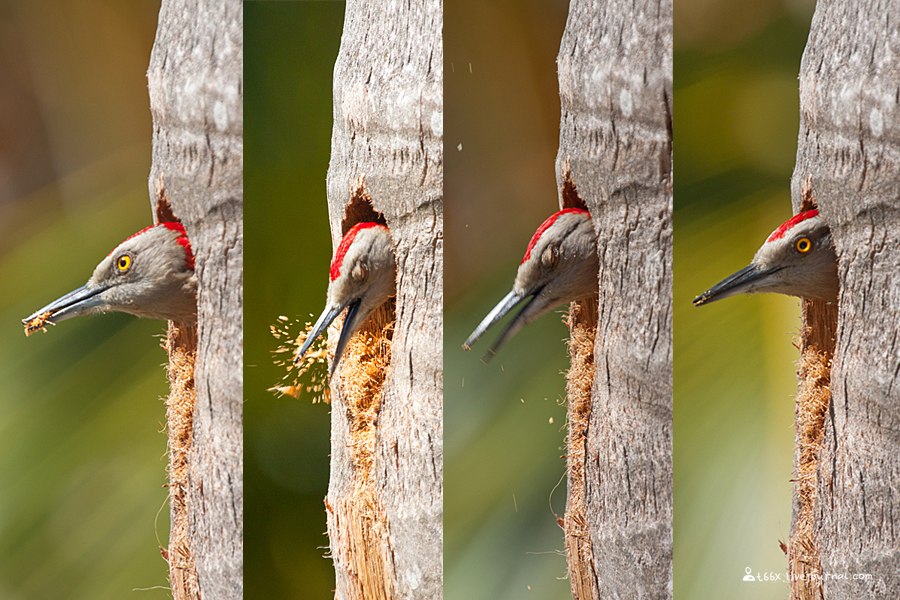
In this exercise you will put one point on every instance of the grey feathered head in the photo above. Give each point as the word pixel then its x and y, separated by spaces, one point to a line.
pixel 797 259
pixel 150 274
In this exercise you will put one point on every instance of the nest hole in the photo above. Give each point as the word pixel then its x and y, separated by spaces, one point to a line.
pixel 360 209
pixel 569 192
pixel 163 211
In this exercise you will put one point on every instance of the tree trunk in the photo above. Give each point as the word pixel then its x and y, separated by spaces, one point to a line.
pixel 384 504
pixel 615 159
pixel 849 148
pixel 196 99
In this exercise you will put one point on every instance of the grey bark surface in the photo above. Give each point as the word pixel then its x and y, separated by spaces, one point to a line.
pixel 849 145
pixel 615 79
pixel 196 96
pixel 387 137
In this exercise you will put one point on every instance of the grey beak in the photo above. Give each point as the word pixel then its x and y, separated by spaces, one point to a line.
pixel 82 301
pixel 325 319
pixel 741 282
pixel 346 331
pixel 508 303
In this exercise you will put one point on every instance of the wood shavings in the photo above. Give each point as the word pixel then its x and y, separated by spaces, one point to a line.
pixel 310 374
pixel 582 321
pixel 357 524
pixel 39 323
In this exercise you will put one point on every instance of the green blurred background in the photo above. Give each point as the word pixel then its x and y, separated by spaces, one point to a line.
pixel 290 49
pixel 82 444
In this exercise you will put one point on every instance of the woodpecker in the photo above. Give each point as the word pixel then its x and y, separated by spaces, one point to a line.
pixel 797 259
pixel 150 274
pixel 560 265
pixel 361 278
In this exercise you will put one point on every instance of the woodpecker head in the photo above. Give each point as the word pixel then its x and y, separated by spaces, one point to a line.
pixel 797 259
pixel 151 274
pixel 560 265
pixel 363 274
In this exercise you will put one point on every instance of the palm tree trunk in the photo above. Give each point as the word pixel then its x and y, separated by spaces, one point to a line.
pixel 196 99
pixel 385 497
pixel 615 159
pixel 848 162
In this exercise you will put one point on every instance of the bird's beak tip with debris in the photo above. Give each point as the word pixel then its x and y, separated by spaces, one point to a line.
pixel 82 301
pixel 702 299
pixel 328 316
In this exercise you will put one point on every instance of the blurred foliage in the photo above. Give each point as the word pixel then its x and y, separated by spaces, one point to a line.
pixel 83 459
pixel 735 126
pixel 290 49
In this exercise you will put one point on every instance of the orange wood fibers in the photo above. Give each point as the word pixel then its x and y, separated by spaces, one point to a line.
pixel 310 375
pixel 39 323
pixel 817 342
pixel 357 523
pixel 181 345
pixel 582 321
pixel 810 413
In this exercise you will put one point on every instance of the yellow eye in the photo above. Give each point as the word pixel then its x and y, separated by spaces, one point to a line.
pixel 123 263
pixel 803 245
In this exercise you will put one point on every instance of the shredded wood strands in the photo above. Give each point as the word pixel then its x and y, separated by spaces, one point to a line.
pixel 310 375
pixel 181 345
pixel 582 322
pixel 39 323
pixel 810 423
pixel 811 412
pixel 356 520
pixel 360 524
pixel 362 375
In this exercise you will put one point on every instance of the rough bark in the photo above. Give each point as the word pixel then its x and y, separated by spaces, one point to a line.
pixel 196 99
pixel 849 146
pixel 384 504
pixel 615 158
